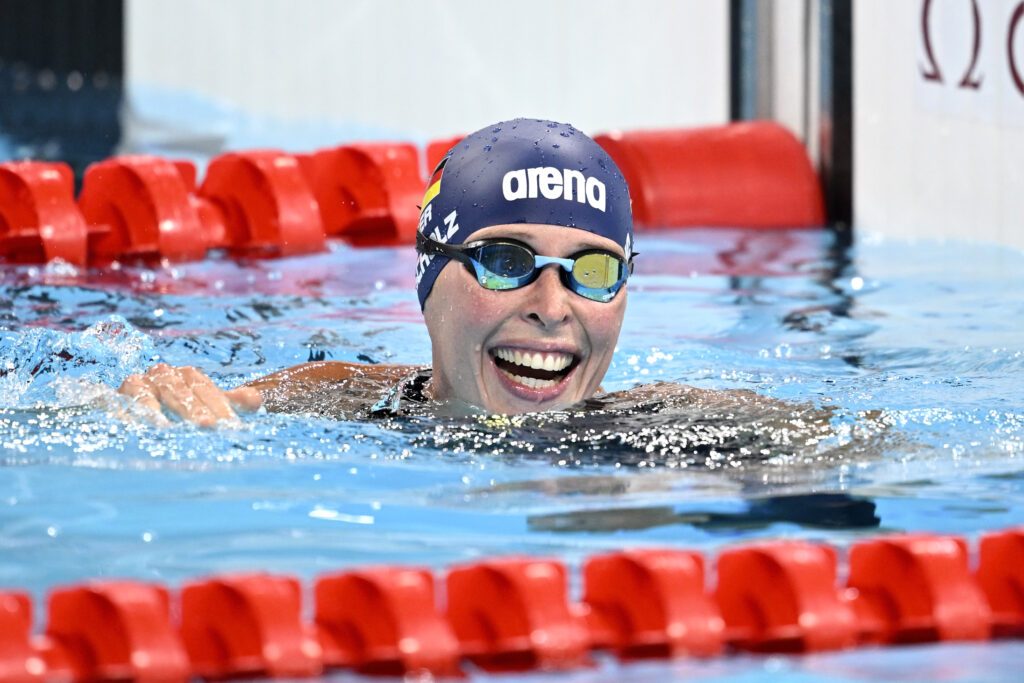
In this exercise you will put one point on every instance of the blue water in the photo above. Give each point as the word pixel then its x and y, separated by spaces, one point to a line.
pixel 916 346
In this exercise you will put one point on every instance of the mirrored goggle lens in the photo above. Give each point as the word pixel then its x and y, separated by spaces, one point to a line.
pixel 502 265
pixel 505 265
pixel 598 271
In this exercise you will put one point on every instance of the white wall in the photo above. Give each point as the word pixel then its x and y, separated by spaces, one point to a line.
pixel 931 159
pixel 937 159
pixel 435 67
pixel 789 67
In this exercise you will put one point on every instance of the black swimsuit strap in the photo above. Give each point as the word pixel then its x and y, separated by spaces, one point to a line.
pixel 411 389
pixel 415 388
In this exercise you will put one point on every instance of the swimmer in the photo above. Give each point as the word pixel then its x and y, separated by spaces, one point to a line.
pixel 525 247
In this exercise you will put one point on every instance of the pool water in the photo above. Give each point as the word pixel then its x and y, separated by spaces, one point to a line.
pixel 912 352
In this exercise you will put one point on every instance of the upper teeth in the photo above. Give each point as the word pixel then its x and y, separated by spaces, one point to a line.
pixel 538 361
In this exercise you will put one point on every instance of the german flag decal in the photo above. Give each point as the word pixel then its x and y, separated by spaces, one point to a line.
pixel 434 186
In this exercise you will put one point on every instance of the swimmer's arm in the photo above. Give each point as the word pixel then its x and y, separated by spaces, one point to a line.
pixel 190 395
pixel 318 375
pixel 723 401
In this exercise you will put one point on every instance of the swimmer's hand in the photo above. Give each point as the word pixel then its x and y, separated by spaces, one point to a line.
pixel 188 394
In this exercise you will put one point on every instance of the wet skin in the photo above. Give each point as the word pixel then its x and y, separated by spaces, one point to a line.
pixel 484 344
pixel 480 337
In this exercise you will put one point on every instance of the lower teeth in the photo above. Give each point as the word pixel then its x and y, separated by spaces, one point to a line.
pixel 532 382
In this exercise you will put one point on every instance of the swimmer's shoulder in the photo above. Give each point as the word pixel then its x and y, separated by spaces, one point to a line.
pixel 348 386
pixel 659 391
pixel 717 399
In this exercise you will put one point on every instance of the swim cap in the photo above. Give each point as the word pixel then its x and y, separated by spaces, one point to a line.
pixel 522 171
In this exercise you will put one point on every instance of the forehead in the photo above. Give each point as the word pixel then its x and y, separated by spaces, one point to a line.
pixel 548 238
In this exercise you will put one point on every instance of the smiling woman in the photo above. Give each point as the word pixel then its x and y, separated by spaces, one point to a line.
pixel 541 346
pixel 525 245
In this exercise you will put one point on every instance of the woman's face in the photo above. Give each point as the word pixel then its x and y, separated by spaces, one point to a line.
pixel 539 347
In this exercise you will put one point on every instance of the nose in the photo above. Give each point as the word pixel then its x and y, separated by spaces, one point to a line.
pixel 548 301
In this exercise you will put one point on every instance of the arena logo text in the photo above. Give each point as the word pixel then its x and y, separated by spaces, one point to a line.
pixel 552 183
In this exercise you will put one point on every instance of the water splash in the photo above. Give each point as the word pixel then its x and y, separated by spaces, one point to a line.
pixel 43 367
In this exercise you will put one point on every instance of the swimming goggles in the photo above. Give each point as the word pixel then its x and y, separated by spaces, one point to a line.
pixel 500 264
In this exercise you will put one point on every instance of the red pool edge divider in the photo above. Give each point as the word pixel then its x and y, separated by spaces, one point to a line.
pixel 515 613
pixel 753 174
pixel 270 203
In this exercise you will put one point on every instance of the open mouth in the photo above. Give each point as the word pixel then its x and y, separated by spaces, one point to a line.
pixel 534 369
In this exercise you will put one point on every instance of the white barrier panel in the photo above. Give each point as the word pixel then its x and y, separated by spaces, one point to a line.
pixel 939 118
pixel 443 66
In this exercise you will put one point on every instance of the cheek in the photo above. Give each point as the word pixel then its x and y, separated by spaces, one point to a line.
pixel 603 326
pixel 471 311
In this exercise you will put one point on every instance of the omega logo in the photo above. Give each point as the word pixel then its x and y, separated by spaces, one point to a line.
pixel 971 80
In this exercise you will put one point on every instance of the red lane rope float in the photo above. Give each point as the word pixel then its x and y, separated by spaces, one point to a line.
pixel 651 603
pixel 782 597
pixel 917 589
pixel 266 202
pixel 368 193
pixel 38 218
pixel 139 207
pixel 117 630
pixel 20 661
pixel 754 174
pixel 270 203
pixel 248 625
pixel 1001 579
pixel 515 613
pixel 436 149
pixel 384 620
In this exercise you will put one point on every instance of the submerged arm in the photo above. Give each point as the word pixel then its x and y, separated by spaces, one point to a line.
pixel 297 387
pixel 188 394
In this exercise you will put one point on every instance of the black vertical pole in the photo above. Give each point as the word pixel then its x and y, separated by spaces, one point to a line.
pixel 836 131
pixel 830 27
pixel 738 48
pixel 749 81
pixel 61 79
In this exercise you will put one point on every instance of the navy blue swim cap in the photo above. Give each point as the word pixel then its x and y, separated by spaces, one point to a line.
pixel 522 171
